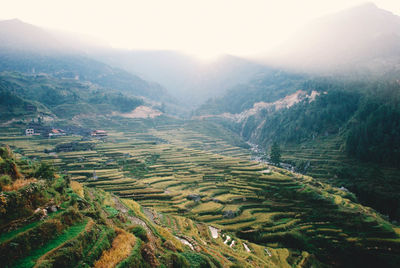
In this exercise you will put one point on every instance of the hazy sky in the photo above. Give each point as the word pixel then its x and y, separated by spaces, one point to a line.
pixel 203 27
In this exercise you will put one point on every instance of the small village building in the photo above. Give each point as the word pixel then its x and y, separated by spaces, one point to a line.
pixel 99 133
pixel 29 131
pixel 56 132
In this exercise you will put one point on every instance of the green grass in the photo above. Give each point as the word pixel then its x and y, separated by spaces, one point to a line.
pixel 7 236
pixel 68 234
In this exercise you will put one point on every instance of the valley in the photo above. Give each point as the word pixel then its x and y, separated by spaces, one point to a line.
pixel 141 150
pixel 181 177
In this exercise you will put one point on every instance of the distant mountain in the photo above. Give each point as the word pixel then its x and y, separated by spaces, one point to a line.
pixel 186 78
pixel 363 38
pixel 18 35
pixel 27 48
pixel 30 49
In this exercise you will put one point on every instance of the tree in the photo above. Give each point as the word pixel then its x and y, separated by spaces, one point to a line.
pixel 275 155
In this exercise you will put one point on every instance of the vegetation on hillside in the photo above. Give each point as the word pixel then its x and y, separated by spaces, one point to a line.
pixel 29 95
pixel 74 65
pixel 362 116
pixel 189 182
pixel 51 221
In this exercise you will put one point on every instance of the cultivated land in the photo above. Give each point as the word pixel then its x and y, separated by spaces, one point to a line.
pixel 188 181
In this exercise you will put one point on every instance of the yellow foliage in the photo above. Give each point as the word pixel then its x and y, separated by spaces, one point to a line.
pixel 134 206
pixel 121 248
pixel 77 188
pixel 168 236
pixel 19 183
pixel 397 230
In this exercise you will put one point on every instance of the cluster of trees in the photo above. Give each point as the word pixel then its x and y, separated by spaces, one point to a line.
pixel 305 120
pixel 374 134
pixel 120 102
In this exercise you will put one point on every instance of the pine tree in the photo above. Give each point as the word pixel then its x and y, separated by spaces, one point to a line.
pixel 275 155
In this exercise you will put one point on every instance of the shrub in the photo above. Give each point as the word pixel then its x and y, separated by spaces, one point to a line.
pixel 140 232
pixel 8 166
pixel 45 171
pixel 5 180
pixel 177 261
pixel 197 259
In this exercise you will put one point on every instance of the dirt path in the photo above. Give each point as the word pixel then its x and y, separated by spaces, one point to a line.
pixel 135 220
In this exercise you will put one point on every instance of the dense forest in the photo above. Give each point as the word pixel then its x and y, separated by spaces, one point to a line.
pixel 374 132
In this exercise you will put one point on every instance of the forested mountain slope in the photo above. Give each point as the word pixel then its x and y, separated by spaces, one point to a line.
pixel 362 116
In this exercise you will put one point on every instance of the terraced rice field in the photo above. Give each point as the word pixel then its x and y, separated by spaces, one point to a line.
pixel 180 172
pixel 325 158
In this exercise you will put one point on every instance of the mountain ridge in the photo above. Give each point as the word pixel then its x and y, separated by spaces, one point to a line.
pixel 349 40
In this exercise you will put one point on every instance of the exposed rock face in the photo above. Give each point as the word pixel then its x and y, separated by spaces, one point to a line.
pixel 141 112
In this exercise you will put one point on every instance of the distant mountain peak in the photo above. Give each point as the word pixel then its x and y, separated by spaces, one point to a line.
pixel 12 20
pixel 367 5
pixel 364 37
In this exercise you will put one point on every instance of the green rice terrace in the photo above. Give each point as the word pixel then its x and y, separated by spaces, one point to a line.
pixel 168 195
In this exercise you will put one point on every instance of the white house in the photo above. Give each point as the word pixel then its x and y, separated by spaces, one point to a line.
pixel 29 132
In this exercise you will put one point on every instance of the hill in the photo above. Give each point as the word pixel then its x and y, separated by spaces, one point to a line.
pixel 29 49
pixel 28 96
